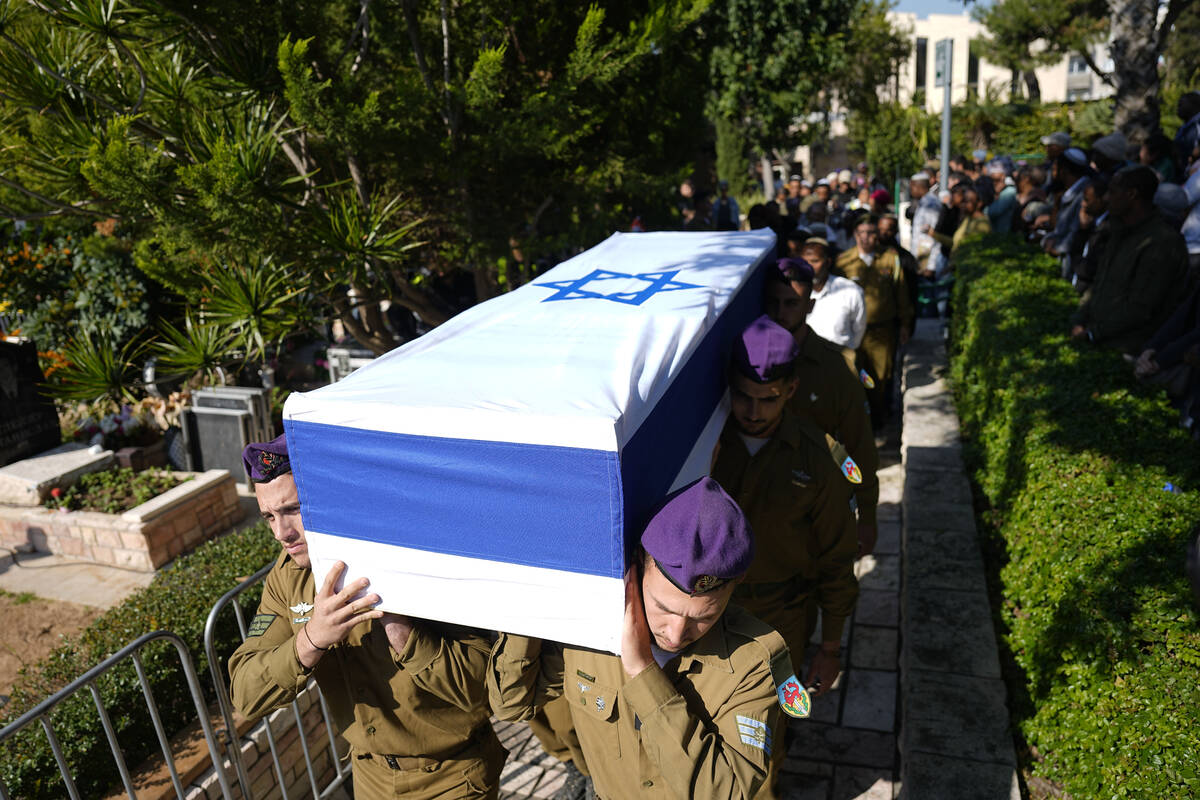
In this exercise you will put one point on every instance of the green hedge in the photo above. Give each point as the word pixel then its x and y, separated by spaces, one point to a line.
pixel 178 600
pixel 1086 549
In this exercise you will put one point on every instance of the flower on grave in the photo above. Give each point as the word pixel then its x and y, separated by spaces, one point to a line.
pixel 56 492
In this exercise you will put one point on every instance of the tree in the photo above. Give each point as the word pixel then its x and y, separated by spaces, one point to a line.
pixel 364 148
pixel 1137 32
pixel 778 67
pixel 1009 45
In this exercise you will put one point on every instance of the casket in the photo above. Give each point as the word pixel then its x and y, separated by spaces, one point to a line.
pixel 497 472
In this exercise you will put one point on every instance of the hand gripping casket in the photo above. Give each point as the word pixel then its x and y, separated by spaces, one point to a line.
pixel 497 472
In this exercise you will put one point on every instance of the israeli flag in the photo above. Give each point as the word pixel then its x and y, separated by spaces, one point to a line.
pixel 498 471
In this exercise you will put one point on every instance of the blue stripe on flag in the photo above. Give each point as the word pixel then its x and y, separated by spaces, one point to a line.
pixel 652 458
pixel 541 506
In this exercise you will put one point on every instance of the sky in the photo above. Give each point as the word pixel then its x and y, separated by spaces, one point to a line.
pixel 923 7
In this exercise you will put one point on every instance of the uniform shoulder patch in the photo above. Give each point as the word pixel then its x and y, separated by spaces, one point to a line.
pixel 842 458
pixel 259 625
pixel 793 698
pixel 866 379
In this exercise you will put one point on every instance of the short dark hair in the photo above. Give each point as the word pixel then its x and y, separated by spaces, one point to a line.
pixel 866 218
pixel 1188 105
pixel 1140 178
pixel 1158 145
pixel 1098 185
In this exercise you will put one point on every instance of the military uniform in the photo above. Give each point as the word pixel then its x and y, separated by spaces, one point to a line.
pixel 832 397
pixel 799 506
pixel 700 726
pixel 416 721
pixel 888 309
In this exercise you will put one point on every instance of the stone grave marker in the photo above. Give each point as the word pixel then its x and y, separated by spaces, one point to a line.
pixel 216 438
pixel 28 421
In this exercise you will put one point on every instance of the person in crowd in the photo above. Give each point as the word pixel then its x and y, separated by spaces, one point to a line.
pixel 1188 135
pixel 1073 170
pixel 693 705
pixel 701 219
pixel 805 540
pixel 974 222
pixel 980 179
pixel 408 695
pixel 1110 153
pixel 1029 190
pixel 795 193
pixel 795 241
pixel 1191 223
pixel 1056 145
pixel 1170 200
pixel 846 189
pixel 1001 210
pixel 1158 153
pixel 947 223
pixel 1165 361
pixel 831 396
pixel 862 200
pixel 839 312
pixel 820 196
pixel 1141 271
pixel 726 215
pixel 924 219
pixel 889 239
pixel 881 201
pixel 889 312
pixel 1093 234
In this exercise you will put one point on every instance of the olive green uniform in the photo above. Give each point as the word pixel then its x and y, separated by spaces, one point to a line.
pixel 416 721
pixel 698 727
pixel 832 398
pixel 556 733
pixel 799 506
pixel 1140 278
pixel 889 308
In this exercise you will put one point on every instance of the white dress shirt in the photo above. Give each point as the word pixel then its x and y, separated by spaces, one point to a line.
pixel 839 312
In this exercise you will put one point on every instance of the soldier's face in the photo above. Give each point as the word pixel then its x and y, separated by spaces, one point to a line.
pixel 677 619
pixel 786 306
pixel 279 505
pixel 757 408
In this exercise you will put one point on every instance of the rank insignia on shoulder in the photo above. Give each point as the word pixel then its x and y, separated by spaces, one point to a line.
pixel 258 626
pixel 851 470
pixel 793 698
pixel 800 477
pixel 866 379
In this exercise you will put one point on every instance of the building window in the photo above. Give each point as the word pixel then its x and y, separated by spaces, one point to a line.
pixel 921 77
pixel 1076 65
pixel 1074 95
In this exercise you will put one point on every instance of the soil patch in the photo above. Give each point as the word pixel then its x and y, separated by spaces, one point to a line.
pixel 33 627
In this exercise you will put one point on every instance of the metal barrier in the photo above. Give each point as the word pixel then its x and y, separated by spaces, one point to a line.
pixel 230 736
pixel 41 713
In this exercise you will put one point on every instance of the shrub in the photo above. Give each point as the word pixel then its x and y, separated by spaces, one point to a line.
pixel 113 491
pixel 178 600
pixel 1072 455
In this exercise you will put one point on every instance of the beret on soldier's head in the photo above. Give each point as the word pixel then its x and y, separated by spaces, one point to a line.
pixel 699 538
pixel 765 351
pixel 266 461
pixel 796 270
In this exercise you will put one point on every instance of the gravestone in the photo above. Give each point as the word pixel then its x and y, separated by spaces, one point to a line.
pixel 216 438
pixel 344 360
pixel 28 421
pixel 253 400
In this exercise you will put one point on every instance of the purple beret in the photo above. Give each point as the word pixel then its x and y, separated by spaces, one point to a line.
pixel 266 461
pixel 699 538
pixel 765 351
pixel 796 270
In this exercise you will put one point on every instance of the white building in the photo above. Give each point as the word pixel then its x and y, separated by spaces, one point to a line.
pixel 1067 81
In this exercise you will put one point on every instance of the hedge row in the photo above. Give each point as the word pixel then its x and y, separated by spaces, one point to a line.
pixel 178 600
pixel 1071 456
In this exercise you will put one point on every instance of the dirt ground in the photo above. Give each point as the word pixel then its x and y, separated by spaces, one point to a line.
pixel 30 628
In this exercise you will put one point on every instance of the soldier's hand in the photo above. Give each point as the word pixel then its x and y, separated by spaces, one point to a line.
pixel 824 670
pixel 868 534
pixel 334 615
pixel 636 654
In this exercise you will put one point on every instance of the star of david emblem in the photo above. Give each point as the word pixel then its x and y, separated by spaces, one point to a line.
pixel 656 283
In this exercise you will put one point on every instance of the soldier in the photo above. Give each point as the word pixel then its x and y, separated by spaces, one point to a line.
pixel 827 394
pixel 688 708
pixel 407 694
pixel 779 469
pixel 889 311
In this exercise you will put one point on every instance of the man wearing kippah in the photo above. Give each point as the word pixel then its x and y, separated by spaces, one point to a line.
pixel 781 471
pixel 408 695
pixel 827 394
pixel 689 707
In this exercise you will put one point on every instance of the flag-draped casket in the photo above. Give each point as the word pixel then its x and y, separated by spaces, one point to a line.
pixel 497 472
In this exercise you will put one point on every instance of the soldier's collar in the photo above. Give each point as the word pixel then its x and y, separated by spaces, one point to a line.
pixel 808 347
pixel 712 649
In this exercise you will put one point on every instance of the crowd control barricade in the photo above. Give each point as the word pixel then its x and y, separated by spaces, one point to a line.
pixel 132 651
pixel 229 736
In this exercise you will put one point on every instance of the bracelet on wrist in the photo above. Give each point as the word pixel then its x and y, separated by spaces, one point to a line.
pixel 308 636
